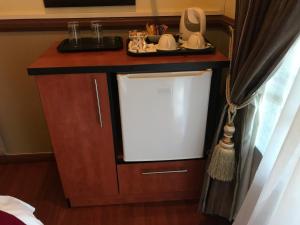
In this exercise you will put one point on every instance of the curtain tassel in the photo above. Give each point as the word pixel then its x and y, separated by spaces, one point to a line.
pixel 222 164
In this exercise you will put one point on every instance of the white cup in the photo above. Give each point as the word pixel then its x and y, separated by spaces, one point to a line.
pixel 195 41
pixel 167 42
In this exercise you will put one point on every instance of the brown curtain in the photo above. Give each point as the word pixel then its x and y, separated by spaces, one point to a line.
pixel 265 29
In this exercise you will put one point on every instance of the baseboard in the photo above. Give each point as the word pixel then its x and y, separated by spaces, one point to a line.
pixel 26 158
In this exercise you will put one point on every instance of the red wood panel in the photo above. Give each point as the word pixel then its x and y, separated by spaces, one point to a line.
pixel 161 177
pixel 84 151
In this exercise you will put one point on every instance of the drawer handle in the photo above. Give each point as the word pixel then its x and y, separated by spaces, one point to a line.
pixel 164 172
pixel 98 103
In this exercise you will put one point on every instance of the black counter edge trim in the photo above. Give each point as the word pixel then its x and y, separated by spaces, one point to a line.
pixel 170 67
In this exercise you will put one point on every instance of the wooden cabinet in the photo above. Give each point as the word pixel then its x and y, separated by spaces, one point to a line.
pixel 77 103
pixel 77 111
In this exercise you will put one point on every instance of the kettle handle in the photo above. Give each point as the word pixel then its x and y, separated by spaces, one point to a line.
pixel 202 19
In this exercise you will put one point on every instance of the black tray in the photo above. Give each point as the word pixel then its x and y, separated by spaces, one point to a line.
pixel 89 44
pixel 181 51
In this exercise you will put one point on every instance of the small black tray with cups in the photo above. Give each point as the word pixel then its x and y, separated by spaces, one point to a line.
pixel 160 46
pixel 96 41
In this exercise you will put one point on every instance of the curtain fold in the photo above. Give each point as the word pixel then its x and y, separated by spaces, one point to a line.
pixel 264 32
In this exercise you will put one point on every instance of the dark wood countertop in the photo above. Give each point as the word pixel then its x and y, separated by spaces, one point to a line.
pixel 53 62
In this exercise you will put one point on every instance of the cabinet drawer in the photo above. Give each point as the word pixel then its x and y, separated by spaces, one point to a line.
pixel 159 177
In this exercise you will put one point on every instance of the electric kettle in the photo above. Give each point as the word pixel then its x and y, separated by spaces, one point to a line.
pixel 192 20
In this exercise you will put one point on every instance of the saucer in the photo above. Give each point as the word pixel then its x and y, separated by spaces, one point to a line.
pixel 166 50
pixel 184 45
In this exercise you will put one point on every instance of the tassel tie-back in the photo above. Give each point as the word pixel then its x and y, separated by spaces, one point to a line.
pixel 222 163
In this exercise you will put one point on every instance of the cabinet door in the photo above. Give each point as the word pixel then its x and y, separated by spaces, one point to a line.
pixel 77 111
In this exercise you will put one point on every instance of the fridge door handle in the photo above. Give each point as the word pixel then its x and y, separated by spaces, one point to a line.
pixel 98 103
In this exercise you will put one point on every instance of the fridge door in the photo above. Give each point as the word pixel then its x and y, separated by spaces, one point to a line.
pixel 163 115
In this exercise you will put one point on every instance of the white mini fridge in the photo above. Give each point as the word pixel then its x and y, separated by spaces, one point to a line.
pixel 163 115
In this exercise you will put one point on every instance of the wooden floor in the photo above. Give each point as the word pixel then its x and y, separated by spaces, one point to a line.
pixel 39 185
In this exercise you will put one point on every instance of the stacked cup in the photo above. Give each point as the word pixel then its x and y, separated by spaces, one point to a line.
pixel 195 41
pixel 167 42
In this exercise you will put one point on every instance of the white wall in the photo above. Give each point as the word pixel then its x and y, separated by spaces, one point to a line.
pixel 229 9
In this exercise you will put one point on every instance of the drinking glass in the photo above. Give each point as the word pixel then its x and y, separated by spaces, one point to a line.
pixel 74 33
pixel 97 32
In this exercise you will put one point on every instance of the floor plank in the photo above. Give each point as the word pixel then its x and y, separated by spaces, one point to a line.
pixel 38 184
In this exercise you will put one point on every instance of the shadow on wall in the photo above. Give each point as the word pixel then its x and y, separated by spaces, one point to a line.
pixel 22 123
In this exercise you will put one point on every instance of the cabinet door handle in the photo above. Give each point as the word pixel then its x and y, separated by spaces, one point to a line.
pixel 98 103
pixel 165 172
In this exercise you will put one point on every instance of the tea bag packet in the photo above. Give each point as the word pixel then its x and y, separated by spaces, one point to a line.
pixel 161 29
pixel 151 29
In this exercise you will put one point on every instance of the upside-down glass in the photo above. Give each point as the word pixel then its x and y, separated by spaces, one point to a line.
pixel 74 33
pixel 97 32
